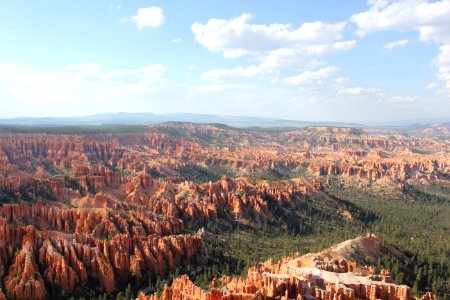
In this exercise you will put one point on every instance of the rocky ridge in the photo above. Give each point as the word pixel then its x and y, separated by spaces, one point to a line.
pixel 314 276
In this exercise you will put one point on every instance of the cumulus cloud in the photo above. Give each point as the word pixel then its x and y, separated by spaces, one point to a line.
pixel 275 47
pixel 443 63
pixel 342 87
pixel 310 77
pixel 237 37
pixel 272 64
pixel 152 16
pixel 431 19
pixel 395 44
pixel 308 56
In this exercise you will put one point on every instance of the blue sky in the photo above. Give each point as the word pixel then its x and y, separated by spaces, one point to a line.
pixel 310 60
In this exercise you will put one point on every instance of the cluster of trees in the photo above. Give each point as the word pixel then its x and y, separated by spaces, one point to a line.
pixel 88 129
pixel 29 192
pixel 198 173
pixel 416 221
pixel 417 226
pixel 72 183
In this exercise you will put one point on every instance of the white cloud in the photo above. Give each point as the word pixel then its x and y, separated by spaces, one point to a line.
pixel 310 77
pixel 352 90
pixel 430 19
pixel 114 6
pixel 443 64
pixel 342 80
pixel 272 64
pixel 357 90
pixel 257 71
pixel 342 87
pixel 373 94
pixel 236 37
pixel 395 44
pixel 275 47
pixel 432 86
pixel 401 99
pixel 299 57
pixel 177 40
pixel 152 16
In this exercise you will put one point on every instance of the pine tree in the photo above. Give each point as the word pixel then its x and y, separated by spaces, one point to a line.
pixel 430 275
pixel 128 293
pixel 159 285
pixel 177 272
pixel 417 285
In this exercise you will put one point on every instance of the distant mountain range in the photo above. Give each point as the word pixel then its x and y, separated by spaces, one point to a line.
pixel 123 118
pixel 150 118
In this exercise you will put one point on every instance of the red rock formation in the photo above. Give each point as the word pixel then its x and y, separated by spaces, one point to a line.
pixel 74 249
pixel 267 282
pixel 24 280
pixel 299 278
pixel 391 168
pixel 2 295
pixel 427 296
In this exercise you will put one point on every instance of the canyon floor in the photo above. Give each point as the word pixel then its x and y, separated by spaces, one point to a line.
pixel 208 211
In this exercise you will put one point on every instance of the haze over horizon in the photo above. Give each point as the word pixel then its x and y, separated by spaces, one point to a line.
pixel 353 62
pixel 148 118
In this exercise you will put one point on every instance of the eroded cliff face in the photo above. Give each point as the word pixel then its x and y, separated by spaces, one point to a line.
pixel 136 231
pixel 65 248
pixel 307 277
pixel 284 282
pixel 23 280
pixel 227 200
pixel 410 167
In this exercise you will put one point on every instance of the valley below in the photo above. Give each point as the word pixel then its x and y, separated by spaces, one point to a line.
pixel 207 211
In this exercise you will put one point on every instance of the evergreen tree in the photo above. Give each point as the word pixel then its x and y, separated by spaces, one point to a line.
pixel 128 293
